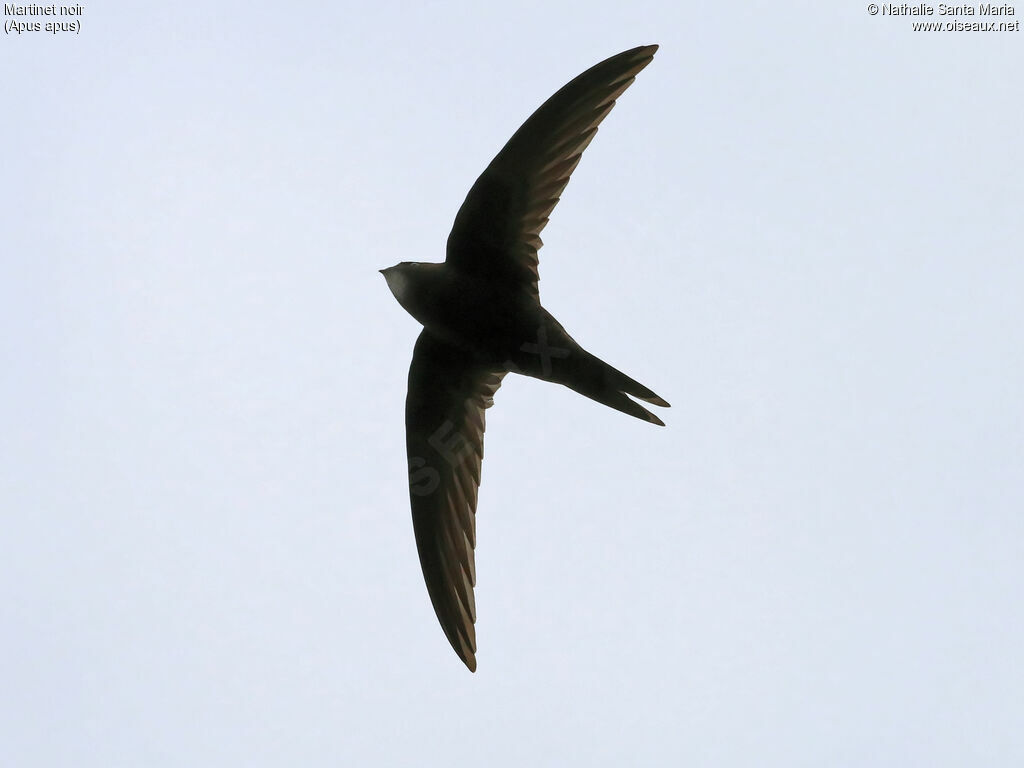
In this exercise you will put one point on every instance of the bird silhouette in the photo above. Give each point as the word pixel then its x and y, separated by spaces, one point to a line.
pixel 482 319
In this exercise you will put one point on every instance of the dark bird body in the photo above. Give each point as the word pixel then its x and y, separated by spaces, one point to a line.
pixel 482 318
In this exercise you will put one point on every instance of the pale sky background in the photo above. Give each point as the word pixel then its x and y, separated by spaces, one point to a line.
pixel 801 226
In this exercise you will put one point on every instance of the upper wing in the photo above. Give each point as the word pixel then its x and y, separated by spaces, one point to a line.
pixel 444 422
pixel 497 230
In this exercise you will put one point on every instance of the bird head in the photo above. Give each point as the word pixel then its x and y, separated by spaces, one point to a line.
pixel 400 280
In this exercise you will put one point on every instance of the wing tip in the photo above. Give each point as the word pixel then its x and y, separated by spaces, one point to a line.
pixel 644 51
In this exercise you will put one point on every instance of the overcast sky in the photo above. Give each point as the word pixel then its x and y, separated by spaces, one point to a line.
pixel 801 226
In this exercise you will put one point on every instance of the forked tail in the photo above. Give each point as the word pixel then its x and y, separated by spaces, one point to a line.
pixel 605 384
